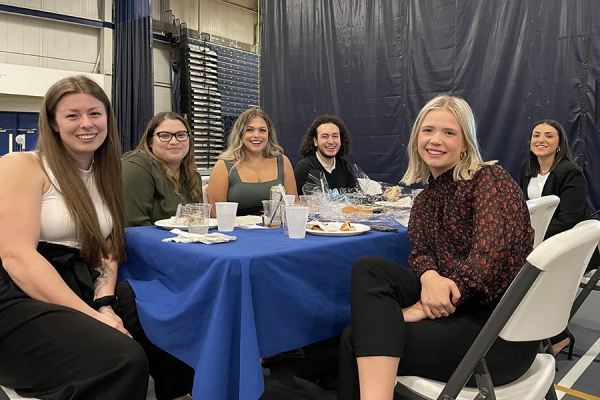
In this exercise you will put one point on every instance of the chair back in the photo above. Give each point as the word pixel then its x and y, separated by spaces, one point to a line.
pixel 531 208
pixel 541 211
pixel 205 193
pixel 544 311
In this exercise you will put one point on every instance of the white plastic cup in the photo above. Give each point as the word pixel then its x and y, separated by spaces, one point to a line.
pixel 296 217
pixel 198 217
pixel 226 211
pixel 289 199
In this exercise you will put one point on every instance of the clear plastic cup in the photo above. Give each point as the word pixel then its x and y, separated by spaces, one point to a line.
pixel 296 217
pixel 226 211
pixel 271 213
pixel 198 217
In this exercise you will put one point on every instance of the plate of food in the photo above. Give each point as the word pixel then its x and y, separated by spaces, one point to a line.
pixel 336 228
pixel 173 223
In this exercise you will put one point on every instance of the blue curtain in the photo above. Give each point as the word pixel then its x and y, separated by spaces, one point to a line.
pixel 133 81
pixel 375 64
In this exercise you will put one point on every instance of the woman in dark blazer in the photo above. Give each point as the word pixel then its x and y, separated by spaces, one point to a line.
pixel 549 171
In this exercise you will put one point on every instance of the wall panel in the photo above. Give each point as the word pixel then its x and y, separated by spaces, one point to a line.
pixel 79 8
pixel 52 44
pixel 228 21
pixel 215 17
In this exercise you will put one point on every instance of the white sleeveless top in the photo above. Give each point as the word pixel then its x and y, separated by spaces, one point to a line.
pixel 56 225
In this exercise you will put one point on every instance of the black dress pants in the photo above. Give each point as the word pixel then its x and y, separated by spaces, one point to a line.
pixel 53 352
pixel 428 348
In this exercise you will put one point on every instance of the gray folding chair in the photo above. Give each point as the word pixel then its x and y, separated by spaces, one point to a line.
pixel 535 306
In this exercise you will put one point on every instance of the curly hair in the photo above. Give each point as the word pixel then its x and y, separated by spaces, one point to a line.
pixel 532 168
pixel 470 161
pixel 307 146
pixel 235 151
pixel 187 169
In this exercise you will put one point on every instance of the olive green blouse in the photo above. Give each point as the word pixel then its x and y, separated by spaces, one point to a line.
pixel 149 195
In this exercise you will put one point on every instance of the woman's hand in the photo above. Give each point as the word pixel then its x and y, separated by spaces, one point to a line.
pixel 107 315
pixel 414 313
pixel 438 295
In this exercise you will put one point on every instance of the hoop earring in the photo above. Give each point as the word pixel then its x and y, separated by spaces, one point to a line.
pixel 463 154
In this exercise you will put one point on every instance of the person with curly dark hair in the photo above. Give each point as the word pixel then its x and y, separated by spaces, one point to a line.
pixel 324 144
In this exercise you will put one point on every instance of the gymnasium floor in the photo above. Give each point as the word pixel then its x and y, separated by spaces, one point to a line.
pixel 578 378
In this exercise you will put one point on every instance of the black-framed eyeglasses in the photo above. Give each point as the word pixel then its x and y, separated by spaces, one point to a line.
pixel 180 136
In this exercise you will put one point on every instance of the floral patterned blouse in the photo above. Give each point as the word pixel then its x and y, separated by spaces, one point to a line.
pixel 475 232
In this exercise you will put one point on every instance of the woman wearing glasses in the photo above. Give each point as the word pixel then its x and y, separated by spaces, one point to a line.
pixel 160 172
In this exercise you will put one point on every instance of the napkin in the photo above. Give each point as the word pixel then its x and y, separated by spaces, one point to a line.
pixel 210 238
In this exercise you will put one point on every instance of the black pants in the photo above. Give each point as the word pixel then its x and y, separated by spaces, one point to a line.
pixel 56 353
pixel 428 348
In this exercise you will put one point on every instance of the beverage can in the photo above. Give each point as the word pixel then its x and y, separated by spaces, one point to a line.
pixel 275 193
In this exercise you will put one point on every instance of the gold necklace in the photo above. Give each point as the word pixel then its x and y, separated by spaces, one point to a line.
pixel 546 171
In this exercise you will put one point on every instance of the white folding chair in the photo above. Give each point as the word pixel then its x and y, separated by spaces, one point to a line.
pixel 205 193
pixel 9 394
pixel 541 211
pixel 531 208
pixel 535 306
pixel 6 393
pixel 590 281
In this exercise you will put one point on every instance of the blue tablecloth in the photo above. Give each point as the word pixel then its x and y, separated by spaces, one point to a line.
pixel 221 307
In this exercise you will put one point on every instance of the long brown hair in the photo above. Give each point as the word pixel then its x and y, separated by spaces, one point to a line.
pixel 106 170
pixel 187 169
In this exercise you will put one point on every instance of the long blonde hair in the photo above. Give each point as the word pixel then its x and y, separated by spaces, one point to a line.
pixel 187 169
pixel 235 151
pixel 470 161
pixel 106 170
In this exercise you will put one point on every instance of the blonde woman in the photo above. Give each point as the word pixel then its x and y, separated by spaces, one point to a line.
pixel 470 233
pixel 160 172
pixel 251 164
pixel 68 330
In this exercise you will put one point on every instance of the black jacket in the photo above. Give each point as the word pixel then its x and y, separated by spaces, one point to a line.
pixel 568 183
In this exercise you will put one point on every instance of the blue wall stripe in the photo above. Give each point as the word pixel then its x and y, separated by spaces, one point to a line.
pixel 54 16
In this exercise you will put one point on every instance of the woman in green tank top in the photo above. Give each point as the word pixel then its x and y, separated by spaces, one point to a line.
pixel 251 164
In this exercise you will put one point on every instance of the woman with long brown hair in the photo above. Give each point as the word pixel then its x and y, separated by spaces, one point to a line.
pixel 160 172
pixel 549 170
pixel 66 326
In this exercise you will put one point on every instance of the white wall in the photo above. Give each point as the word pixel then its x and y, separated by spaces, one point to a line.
pixel 162 76
pixel 36 52
pixel 47 49
pixel 80 8
pixel 232 21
